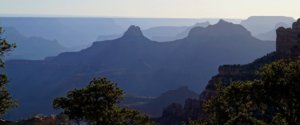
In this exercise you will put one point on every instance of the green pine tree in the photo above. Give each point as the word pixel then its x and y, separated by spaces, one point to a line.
pixel 271 99
pixel 97 104
pixel 6 100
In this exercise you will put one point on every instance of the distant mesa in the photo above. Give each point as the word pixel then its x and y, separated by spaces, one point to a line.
pixel 262 24
pixel 271 35
pixel 71 32
pixel 32 48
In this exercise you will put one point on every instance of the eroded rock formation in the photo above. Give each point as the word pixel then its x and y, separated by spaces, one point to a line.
pixel 288 40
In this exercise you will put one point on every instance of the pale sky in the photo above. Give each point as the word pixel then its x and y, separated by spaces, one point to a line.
pixel 152 8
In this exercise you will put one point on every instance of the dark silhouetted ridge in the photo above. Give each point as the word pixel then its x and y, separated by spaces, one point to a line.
pixel 222 28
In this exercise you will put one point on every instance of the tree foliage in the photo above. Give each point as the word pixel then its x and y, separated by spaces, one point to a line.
pixel 6 100
pixel 97 104
pixel 274 98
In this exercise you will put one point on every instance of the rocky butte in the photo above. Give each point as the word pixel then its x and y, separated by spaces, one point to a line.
pixel 288 40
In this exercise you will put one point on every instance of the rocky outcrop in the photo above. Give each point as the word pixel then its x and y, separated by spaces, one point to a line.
pixel 288 40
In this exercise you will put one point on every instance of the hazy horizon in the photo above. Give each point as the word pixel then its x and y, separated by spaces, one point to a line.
pixel 234 9
pixel 129 17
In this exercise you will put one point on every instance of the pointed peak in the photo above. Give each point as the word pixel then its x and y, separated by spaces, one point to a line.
pixel 223 22
pixel 133 31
